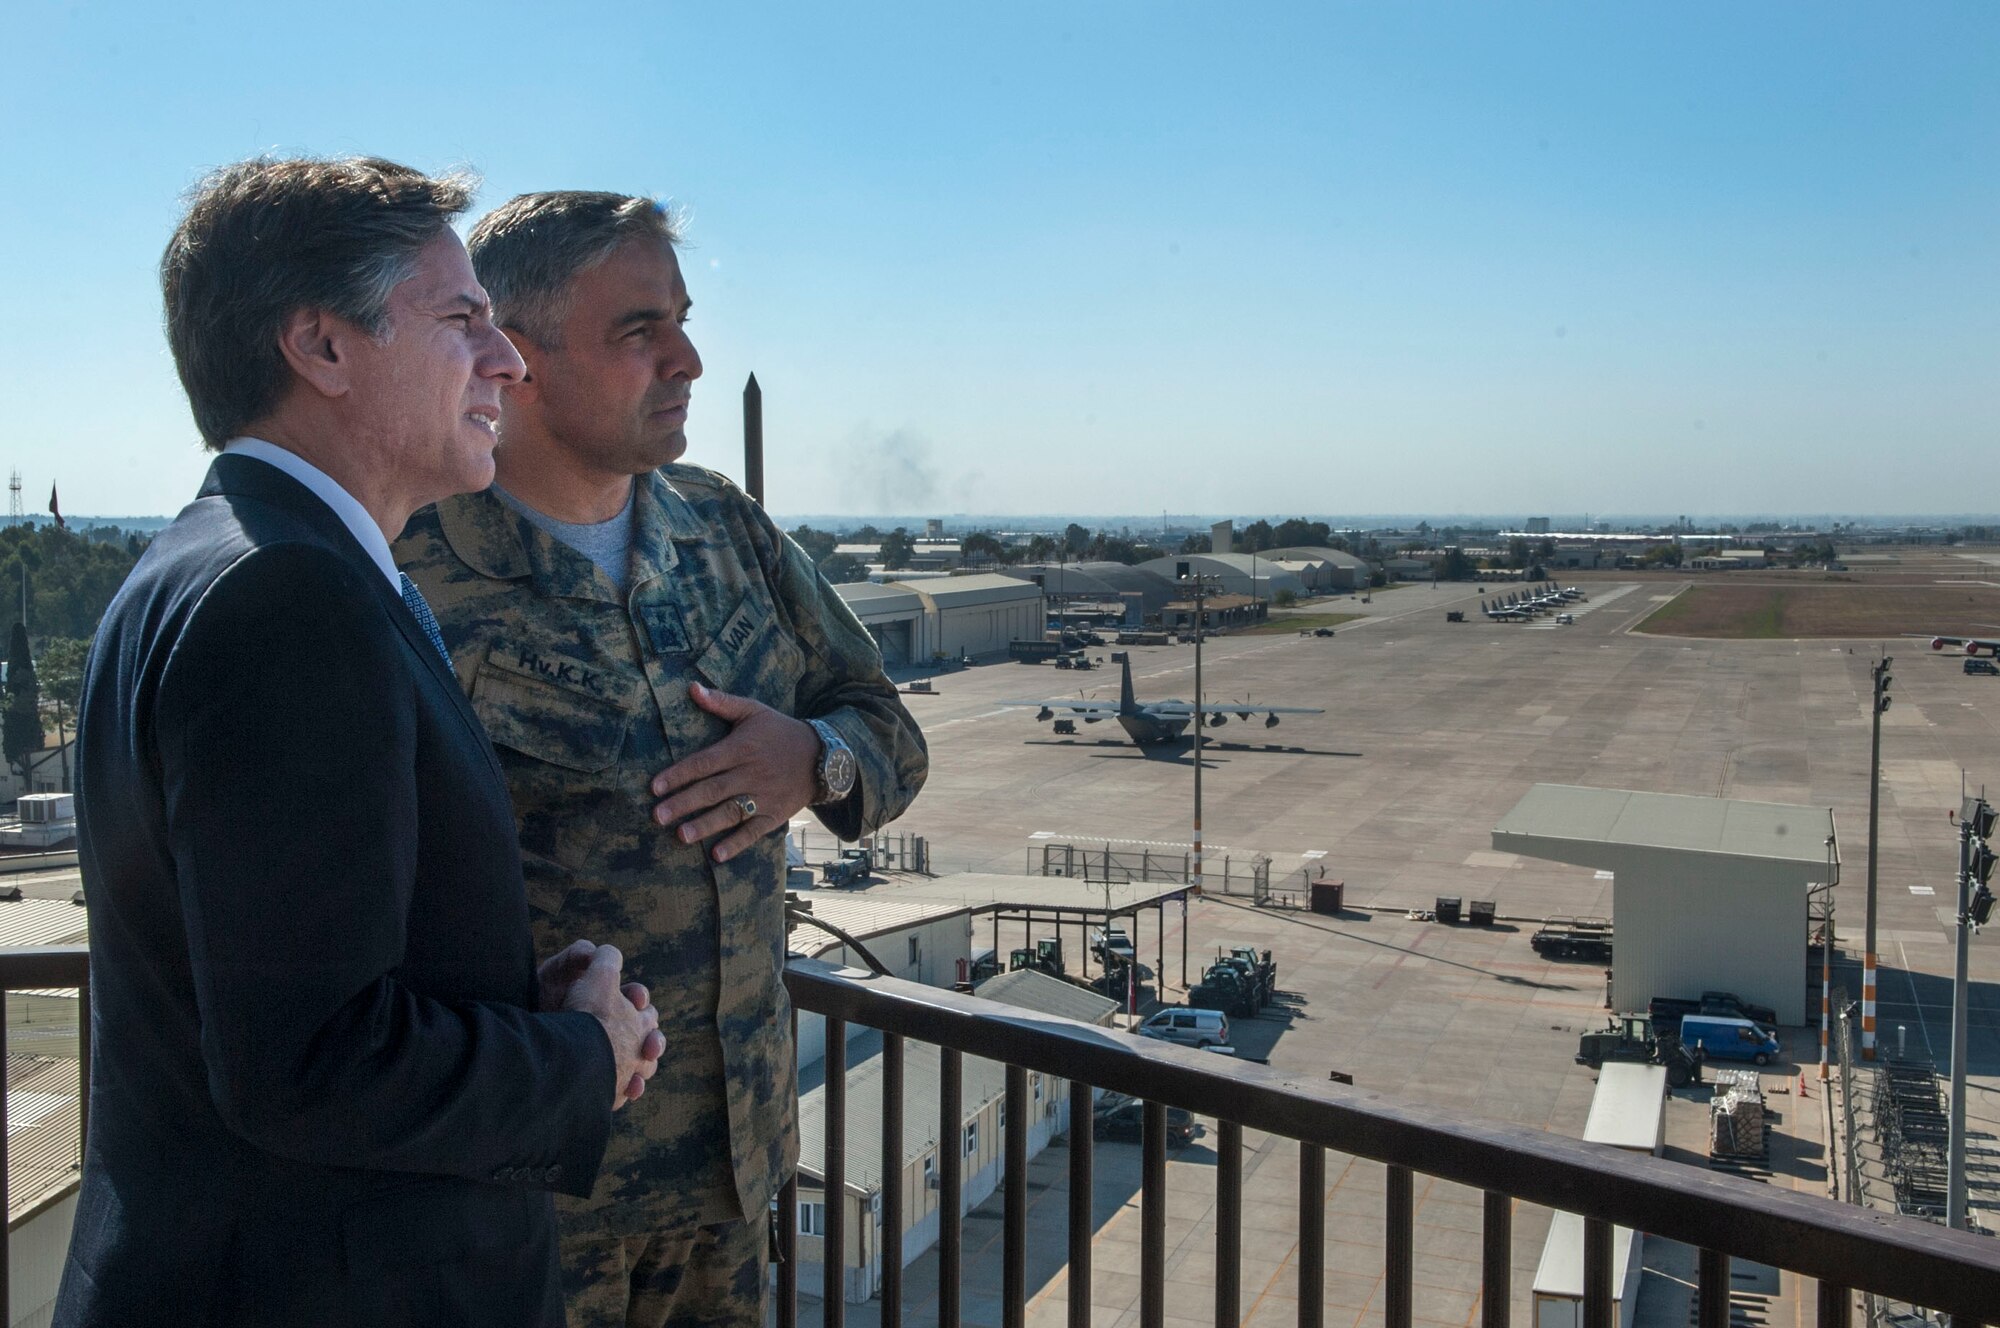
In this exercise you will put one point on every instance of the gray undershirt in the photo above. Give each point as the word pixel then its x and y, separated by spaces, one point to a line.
pixel 606 543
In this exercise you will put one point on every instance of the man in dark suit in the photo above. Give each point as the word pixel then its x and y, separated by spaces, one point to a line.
pixel 330 1085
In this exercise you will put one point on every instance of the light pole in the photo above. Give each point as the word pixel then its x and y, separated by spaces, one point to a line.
pixel 1200 622
pixel 1975 906
pixel 1879 704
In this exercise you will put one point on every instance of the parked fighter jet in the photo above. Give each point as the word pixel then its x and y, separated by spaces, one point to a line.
pixel 1501 612
pixel 1157 721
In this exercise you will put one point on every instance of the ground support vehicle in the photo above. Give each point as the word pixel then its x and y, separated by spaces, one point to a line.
pixel 852 867
pixel 1632 1038
pixel 1046 957
pixel 1260 969
pixel 1034 652
pixel 1985 666
pixel 1119 1117
pixel 1454 615
pixel 1112 945
pixel 1668 1012
pixel 1574 938
pixel 1224 988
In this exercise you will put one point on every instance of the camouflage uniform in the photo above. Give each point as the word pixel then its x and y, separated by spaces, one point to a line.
pixel 585 695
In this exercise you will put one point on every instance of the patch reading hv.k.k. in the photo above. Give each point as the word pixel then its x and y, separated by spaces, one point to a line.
pixel 665 632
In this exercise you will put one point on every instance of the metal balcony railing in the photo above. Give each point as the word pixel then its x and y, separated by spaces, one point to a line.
pixel 1845 1249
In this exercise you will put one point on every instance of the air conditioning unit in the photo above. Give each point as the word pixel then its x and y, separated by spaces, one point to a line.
pixel 47 808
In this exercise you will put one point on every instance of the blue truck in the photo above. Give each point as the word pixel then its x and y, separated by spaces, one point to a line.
pixel 1728 1038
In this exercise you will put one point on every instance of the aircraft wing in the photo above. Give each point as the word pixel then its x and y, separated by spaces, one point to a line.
pixel 1973 644
pixel 1185 709
pixel 1101 709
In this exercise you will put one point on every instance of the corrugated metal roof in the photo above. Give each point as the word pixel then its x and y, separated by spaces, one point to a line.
pixel 869 599
pixel 42 922
pixel 1030 990
pixel 980 588
pixel 44 1139
pixel 1560 1272
pixel 983 1081
pixel 1563 822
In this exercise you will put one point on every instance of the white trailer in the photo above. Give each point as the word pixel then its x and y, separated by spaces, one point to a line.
pixel 1558 1294
pixel 1629 1109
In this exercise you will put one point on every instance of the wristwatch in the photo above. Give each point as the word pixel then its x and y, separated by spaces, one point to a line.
pixel 836 765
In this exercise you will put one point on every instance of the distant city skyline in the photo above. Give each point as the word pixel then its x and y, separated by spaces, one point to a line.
pixel 1454 257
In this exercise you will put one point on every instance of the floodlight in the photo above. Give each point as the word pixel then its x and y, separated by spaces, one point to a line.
pixel 1981 907
pixel 1982 819
pixel 1983 859
pixel 1882 707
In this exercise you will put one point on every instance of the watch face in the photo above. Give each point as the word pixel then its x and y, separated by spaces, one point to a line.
pixel 839 771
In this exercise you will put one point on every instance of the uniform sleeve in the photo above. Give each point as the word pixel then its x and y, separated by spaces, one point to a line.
pixel 845 686
pixel 287 731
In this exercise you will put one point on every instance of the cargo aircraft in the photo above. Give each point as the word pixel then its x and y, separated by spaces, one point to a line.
pixel 1157 721
pixel 1972 645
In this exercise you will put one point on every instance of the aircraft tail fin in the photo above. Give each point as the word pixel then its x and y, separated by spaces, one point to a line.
pixel 1126 705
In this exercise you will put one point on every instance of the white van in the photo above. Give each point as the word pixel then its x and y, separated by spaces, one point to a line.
pixel 1190 1028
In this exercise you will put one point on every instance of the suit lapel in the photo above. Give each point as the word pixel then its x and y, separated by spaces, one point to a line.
pixel 247 477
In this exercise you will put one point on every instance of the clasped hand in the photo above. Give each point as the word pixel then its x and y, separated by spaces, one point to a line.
pixel 584 976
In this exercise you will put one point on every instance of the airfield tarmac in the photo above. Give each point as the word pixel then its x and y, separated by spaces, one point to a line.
pixel 1433 731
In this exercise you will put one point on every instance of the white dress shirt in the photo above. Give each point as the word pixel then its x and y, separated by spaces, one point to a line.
pixel 351 513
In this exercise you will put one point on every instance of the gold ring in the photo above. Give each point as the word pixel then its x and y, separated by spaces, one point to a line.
pixel 746 804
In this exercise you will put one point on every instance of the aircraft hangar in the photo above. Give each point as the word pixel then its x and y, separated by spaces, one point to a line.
pixel 1708 894
pixel 895 615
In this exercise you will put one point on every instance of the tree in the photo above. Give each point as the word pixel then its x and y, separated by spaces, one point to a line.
pixel 897 549
pixel 1284 599
pixel 1297 531
pixel 1454 566
pixel 866 535
pixel 1041 549
pixel 1546 551
pixel 979 544
pixel 818 544
pixel 60 671
pixel 843 568
pixel 1195 544
pixel 21 721
pixel 1076 539
pixel 1517 552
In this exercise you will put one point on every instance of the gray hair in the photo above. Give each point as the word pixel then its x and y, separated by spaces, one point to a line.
pixel 530 249
pixel 265 238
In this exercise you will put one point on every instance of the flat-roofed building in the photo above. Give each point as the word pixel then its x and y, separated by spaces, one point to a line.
pixel 895 615
pixel 981 614
pixel 1707 893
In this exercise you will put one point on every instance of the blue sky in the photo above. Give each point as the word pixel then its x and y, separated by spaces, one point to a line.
pixel 1128 257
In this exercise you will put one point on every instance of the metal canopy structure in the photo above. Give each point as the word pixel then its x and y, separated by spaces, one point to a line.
pixel 1708 893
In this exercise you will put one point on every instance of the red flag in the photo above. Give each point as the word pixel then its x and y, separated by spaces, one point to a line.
pixel 55 509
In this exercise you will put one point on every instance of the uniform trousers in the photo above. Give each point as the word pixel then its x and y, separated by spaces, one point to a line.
pixel 710 1277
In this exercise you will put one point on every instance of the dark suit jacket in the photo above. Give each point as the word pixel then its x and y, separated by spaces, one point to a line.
pixel 318 1094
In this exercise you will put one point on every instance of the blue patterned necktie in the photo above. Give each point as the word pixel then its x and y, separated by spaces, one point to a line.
pixel 414 599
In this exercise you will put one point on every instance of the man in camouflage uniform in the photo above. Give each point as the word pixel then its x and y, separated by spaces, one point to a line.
pixel 667 680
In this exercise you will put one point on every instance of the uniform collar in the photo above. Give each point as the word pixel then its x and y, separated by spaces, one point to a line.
pixel 498 542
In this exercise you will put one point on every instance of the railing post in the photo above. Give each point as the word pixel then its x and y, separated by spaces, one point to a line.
pixel 1153 1219
pixel 1014 1217
pixel 1228 1224
pixel 891 1243
pixel 833 1190
pixel 6 1180
pixel 1712 1303
pixel 1399 1253
pixel 1835 1305
pixel 1081 1228
pixel 951 1215
pixel 1497 1254
pixel 1312 1235
pixel 1597 1274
